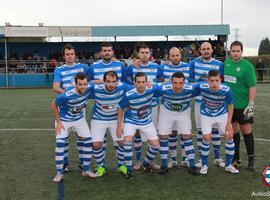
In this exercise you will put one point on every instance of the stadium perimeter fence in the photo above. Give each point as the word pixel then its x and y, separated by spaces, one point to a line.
pixel 33 73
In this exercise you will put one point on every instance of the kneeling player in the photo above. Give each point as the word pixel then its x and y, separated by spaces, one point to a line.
pixel 68 109
pixel 216 110
pixel 104 116
pixel 137 103
pixel 176 97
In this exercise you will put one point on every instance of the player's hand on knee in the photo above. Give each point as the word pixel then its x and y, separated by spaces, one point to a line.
pixel 249 110
pixel 58 128
pixel 119 131
pixel 229 131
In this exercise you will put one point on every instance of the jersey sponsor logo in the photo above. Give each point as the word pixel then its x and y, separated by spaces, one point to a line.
pixel 72 71
pixel 78 109
pixel 212 105
pixel 176 106
pixel 265 175
pixel 109 106
pixel 142 112
pixel 230 79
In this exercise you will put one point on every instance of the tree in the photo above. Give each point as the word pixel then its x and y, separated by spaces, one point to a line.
pixel 264 48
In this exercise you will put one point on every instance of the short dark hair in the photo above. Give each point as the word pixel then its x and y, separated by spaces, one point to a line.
pixel 105 44
pixel 140 74
pixel 110 73
pixel 81 76
pixel 178 75
pixel 69 47
pixel 237 43
pixel 213 73
pixel 143 46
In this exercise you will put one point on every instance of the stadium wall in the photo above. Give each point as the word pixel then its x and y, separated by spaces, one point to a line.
pixel 27 80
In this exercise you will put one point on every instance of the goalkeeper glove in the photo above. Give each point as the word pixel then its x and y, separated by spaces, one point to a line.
pixel 249 110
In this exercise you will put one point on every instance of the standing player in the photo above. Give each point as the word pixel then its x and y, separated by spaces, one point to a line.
pixel 176 97
pixel 199 70
pixel 240 76
pixel 63 79
pixel 137 103
pixel 104 116
pixel 167 70
pixel 69 109
pixel 97 70
pixel 153 72
pixel 216 110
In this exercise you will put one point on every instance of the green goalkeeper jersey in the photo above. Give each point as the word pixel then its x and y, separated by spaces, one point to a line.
pixel 239 76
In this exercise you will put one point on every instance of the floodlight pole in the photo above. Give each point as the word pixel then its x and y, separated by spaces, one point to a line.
pixel 221 11
pixel 6 60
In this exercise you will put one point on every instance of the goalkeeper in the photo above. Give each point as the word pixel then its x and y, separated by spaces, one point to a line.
pixel 239 75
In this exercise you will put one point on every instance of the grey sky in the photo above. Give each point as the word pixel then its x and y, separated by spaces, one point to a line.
pixel 250 16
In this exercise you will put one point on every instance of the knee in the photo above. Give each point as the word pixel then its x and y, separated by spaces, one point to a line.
pixel 128 139
pixel 207 137
pixel 174 133
pixel 246 129
pixel 163 137
pixel 120 143
pixel 186 136
pixel 96 145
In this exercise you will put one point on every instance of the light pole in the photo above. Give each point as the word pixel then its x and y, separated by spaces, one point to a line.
pixel 221 11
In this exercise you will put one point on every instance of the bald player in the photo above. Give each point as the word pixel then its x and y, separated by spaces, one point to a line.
pixel 199 69
pixel 168 69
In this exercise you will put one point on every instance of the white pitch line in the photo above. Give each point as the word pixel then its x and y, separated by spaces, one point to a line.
pixel 50 129
pixel 26 129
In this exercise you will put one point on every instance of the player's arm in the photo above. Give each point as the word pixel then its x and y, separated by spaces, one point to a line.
pixel 157 88
pixel 57 89
pixel 228 128
pixel 129 75
pixel 196 89
pixel 90 75
pixel 191 72
pixel 59 125
pixel 251 82
pixel 119 129
pixel 120 112
pixel 124 74
pixel 229 101
pixel 160 74
pixel 57 82
pixel 249 110
pixel 252 94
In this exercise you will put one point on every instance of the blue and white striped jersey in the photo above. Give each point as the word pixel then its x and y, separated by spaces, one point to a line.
pixel 65 74
pixel 71 105
pixel 199 70
pixel 214 103
pixel 138 106
pixel 107 103
pixel 169 69
pixel 173 101
pixel 153 72
pixel 97 70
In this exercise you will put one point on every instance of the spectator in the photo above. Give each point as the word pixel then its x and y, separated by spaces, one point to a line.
pixel 259 69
